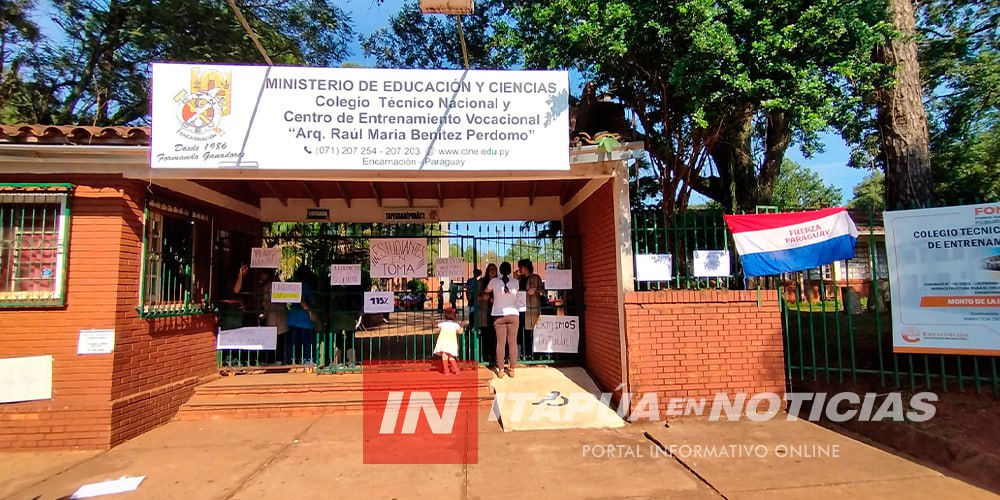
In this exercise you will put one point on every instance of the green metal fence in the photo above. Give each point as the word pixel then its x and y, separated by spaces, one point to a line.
pixel 836 320
pixel 680 236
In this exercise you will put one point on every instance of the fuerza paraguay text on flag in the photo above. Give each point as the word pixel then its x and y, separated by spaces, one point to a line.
pixel 782 243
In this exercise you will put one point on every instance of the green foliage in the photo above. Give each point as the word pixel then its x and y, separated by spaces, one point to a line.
pixel 870 193
pixel 960 72
pixel 417 286
pixel 414 40
pixel 721 89
pixel 95 70
pixel 799 188
pixel 19 34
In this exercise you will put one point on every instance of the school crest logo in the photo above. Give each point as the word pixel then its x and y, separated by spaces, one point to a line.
pixel 200 109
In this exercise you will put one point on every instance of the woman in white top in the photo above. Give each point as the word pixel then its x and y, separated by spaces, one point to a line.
pixel 506 318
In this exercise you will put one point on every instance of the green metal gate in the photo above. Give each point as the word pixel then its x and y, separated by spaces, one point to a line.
pixel 347 338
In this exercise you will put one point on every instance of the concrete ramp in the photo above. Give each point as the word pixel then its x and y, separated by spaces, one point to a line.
pixel 545 397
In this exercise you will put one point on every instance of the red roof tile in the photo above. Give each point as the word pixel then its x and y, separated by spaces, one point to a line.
pixel 74 134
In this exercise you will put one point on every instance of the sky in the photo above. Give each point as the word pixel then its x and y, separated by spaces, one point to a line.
pixel 831 165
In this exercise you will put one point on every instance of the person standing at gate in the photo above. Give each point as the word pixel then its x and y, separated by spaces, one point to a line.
pixel 484 319
pixel 531 284
pixel 263 312
pixel 302 320
pixel 470 290
pixel 506 318
pixel 447 342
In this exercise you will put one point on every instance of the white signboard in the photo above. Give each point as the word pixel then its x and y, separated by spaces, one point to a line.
pixel 711 263
pixel 944 270
pixel 96 342
pixel 25 379
pixel 398 258
pixel 265 258
pixel 251 338
pixel 449 267
pixel 557 334
pixel 280 117
pixel 345 274
pixel 522 301
pixel 653 267
pixel 286 292
pixel 379 302
pixel 559 279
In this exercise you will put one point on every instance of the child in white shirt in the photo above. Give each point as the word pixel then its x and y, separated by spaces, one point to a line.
pixel 447 342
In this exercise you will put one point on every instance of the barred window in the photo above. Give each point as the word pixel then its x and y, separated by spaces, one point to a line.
pixel 34 228
pixel 177 261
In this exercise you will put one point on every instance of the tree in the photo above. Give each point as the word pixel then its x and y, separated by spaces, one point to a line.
pixel 415 40
pixel 902 120
pixel 720 89
pixel 798 188
pixel 18 35
pixel 869 193
pixel 960 72
pixel 99 74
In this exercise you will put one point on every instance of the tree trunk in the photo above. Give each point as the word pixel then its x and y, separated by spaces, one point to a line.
pixel 901 116
pixel 731 153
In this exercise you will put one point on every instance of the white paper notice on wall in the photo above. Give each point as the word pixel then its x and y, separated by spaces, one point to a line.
pixel 711 263
pixel 255 338
pixel 96 342
pixel 559 279
pixel 345 274
pixel 379 302
pixel 265 258
pixel 557 334
pixel 25 379
pixel 449 267
pixel 653 267
pixel 286 292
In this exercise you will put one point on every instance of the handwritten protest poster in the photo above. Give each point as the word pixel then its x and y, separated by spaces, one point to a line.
pixel 398 258
pixel 379 302
pixel 345 274
pixel 557 334
pixel 265 258
pixel 286 292
pixel 449 267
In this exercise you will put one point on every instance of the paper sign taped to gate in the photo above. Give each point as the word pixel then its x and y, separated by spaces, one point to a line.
pixel 559 279
pixel 345 274
pixel 256 338
pixel 711 263
pixel 379 302
pixel 398 257
pixel 265 258
pixel 449 267
pixel 557 334
pixel 286 292
pixel 653 267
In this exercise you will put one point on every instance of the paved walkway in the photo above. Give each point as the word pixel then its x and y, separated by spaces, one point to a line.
pixel 321 458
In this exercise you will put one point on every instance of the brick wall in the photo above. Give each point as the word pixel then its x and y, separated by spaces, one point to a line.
pixel 595 265
pixel 102 400
pixel 79 413
pixel 694 344
pixel 157 362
